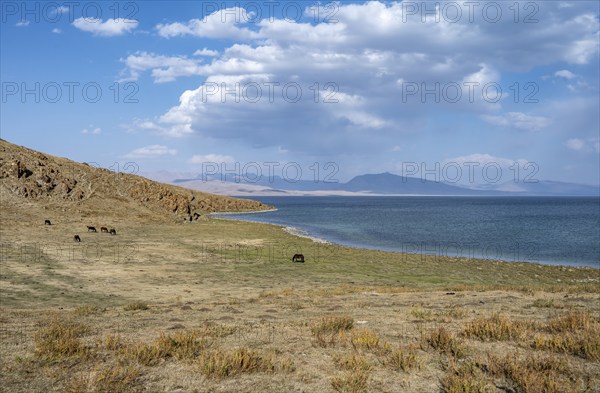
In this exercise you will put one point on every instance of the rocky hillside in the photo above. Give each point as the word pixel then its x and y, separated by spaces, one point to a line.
pixel 36 178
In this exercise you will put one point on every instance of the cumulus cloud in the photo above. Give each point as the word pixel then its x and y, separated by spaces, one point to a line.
pixel 566 74
pixel 353 73
pixel 22 23
pixel 206 52
pixel 518 120
pixel 151 151
pixel 223 23
pixel 108 28
pixel 164 68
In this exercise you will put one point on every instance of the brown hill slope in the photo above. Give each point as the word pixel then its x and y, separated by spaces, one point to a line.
pixel 30 180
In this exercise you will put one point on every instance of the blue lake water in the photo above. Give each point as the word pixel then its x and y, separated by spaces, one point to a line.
pixel 559 230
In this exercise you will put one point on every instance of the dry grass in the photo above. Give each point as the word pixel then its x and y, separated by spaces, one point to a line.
pixel 184 345
pixel 351 382
pixel 366 339
pixel 136 306
pixel 403 359
pixel 222 364
pixel 353 362
pixel 329 330
pixel 496 327
pixel 114 379
pixel 60 339
pixel 445 342
pixel 534 373
pixel 465 378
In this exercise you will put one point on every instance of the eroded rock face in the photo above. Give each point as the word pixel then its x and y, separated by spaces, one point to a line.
pixel 33 175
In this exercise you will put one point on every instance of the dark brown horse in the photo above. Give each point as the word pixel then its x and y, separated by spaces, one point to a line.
pixel 112 231
pixel 104 230
pixel 91 229
pixel 298 258
pixel 47 222
pixel 76 238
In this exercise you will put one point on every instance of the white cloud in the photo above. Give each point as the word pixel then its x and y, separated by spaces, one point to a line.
pixel 151 151
pixel 217 158
pixel 164 68
pixel 484 159
pixel 22 23
pixel 220 24
pixel 206 52
pixel 109 28
pixel 518 120
pixel 56 31
pixel 575 144
pixel 583 145
pixel 92 130
pixel 565 74
pixel 369 54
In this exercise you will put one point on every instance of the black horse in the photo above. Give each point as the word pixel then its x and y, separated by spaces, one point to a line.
pixel 112 231
pixel 91 229
pixel 298 258
pixel 76 238
pixel 47 222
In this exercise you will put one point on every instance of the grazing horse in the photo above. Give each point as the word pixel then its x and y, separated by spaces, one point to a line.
pixel 91 229
pixel 77 238
pixel 298 258
pixel 47 222
pixel 104 230
pixel 112 231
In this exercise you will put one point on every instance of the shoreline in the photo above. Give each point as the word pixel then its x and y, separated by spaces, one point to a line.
pixel 294 231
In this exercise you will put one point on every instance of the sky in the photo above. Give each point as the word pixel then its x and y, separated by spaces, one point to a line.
pixel 467 92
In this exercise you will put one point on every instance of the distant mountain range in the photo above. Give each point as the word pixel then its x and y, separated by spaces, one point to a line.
pixel 369 184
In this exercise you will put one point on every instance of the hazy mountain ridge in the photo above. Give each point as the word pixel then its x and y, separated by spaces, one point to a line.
pixel 380 184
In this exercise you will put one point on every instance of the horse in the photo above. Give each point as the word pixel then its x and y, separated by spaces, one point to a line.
pixel 298 258
pixel 91 229
pixel 112 231
pixel 47 222
pixel 104 230
pixel 76 238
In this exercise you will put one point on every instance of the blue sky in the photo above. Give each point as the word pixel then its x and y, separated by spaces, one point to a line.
pixel 384 85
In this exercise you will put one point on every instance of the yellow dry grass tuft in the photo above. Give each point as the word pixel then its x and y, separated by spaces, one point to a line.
pixel 496 327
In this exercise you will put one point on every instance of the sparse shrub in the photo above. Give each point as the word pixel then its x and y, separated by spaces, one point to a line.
pixel 570 321
pixel 329 330
pixel 113 342
pixel 181 345
pixel 364 338
pixel 351 382
pixel 60 339
pixel 228 363
pixel 544 303
pixel 496 327
pixel 353 362
pixel 421 313
pixel 465 378
pixel 446 342
pixel 533 374
pixel 404 359
pixel 136 306
pixel 332 324
pixel 86 310
pixel 113 378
